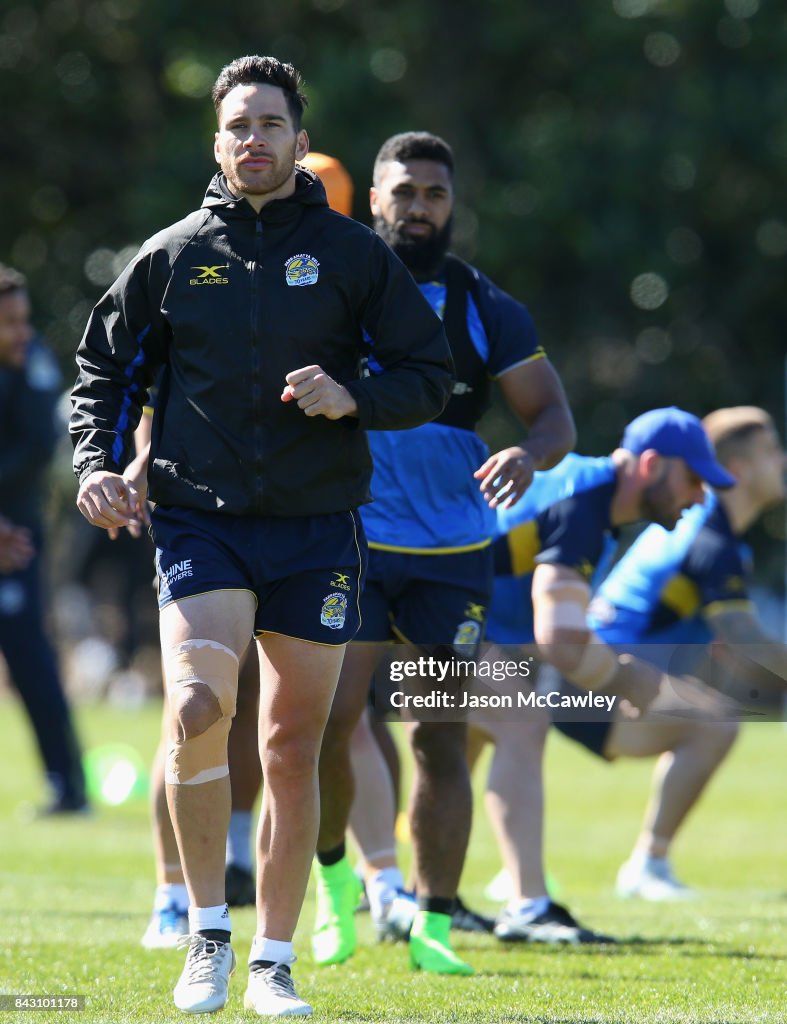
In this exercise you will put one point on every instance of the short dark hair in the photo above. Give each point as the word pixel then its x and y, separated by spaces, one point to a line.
pixel 268 70
pixel 11 281
pixel 414 146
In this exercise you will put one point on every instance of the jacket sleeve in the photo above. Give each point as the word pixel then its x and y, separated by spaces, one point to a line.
pixel 411 369
pixel 123 346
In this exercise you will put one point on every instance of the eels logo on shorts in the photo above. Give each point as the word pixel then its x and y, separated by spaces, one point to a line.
pixel 468 633
pixel 301 270
pixel 334 611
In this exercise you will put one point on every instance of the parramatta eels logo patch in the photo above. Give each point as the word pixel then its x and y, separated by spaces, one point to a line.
pixel 468 634
pixel 301 270
pixel 334 610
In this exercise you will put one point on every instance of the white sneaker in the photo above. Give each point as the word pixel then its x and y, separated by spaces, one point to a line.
pixel 501 888
pixel 271 992
pixel 165 928
pixel 651 879
pixel 202 987
pixel 396 919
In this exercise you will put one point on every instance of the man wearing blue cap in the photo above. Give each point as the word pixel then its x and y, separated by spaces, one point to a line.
pixel 671 595
pixel 553 539
pixel 550 545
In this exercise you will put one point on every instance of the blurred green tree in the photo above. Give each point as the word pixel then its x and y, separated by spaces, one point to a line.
pixel 621 163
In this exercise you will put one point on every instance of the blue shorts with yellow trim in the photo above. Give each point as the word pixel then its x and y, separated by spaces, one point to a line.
pixel 305 572
pixel 428 600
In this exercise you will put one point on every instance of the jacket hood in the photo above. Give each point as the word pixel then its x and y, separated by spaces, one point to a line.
pixel 309 191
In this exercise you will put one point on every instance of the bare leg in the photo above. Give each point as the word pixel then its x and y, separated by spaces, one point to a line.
pixel 243 746
pixel 247 772
pixel 200 813
pixel 337 785
pixel 297 684
pixel 373 812
pixel 381 731
pixel 441 806
pixel 691 750
pixel 170 903
pixel 165 846
pixel 245 780
pixel 515 800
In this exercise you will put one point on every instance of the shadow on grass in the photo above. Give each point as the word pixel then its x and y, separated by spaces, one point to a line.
pixel 624 947
pixel 699 947
pixel 108 915
pixel 487 1018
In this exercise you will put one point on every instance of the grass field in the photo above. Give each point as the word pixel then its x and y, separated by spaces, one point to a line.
pixel 75 897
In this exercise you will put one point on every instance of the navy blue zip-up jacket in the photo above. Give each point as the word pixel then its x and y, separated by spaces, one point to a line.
pixel 28 398
pixel 226 302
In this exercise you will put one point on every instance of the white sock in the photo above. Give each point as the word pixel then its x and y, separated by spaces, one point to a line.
pixel 202 918
pixel 171 894
pixel 239 840
pixel 529 909
pixel 270 949
pixel 381 889
pixel 645 861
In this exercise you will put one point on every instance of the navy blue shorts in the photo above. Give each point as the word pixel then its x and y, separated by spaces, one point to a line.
pixel 591 735
pixel 427 600
pixel 305 572
pixel 589 727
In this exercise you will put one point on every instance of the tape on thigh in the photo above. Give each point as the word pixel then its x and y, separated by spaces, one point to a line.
pixel 202 758
pixel 562 606
pixel 597 665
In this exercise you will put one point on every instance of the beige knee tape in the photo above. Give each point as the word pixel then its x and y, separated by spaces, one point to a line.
pixel 562 606
pixel 568 615
pixel 202 758
pixel 597 665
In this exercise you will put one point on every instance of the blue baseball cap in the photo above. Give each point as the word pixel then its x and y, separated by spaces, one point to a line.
pixel 677 434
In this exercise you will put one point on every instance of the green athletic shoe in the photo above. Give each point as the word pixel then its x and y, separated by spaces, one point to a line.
pixel 430 949
pixel 338 889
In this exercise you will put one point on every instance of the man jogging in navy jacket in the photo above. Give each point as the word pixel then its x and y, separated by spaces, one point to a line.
pixel 258 309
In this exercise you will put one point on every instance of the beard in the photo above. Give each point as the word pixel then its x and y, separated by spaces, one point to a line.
pixel 658 505
pixel 423 257
pixel 259 183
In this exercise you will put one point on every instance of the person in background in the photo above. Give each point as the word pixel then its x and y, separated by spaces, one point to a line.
pixel 550 545
pixel 29 390
pixel 16 547
pixel 430 528
pixel 680 600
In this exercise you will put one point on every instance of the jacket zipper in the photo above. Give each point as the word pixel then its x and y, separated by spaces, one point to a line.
pixel 256 381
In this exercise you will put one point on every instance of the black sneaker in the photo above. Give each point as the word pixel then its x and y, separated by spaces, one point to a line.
pixel 555 925
pixel 239 887
pixel 466 920
pixel 64 806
